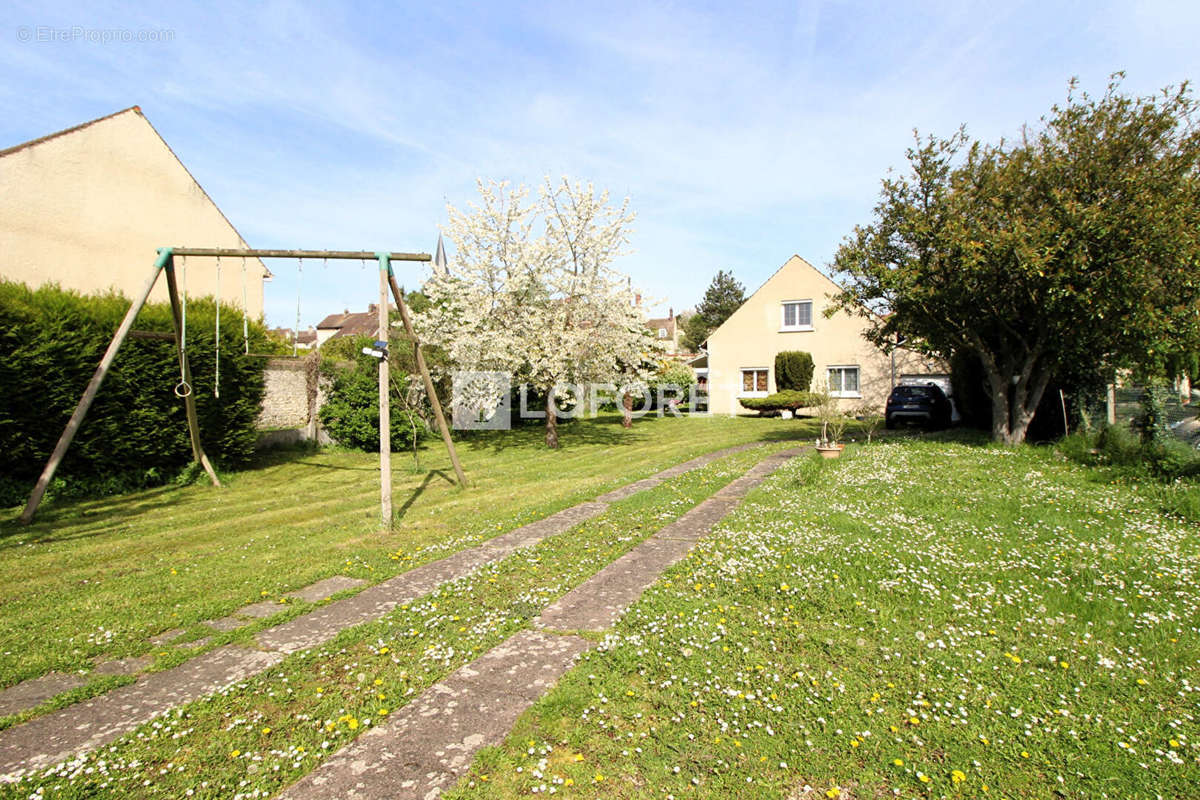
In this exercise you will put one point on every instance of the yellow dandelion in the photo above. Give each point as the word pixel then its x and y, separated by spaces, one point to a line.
pixel 958 776
pixel 899 762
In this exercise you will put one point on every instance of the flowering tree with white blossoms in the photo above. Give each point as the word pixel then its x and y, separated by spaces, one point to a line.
pixel 531 292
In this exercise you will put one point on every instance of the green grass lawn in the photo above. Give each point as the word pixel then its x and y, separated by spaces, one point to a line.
pixel 264 733
pixel 93 580
pixel 919 619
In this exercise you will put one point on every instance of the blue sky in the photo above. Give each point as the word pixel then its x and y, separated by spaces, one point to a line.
pixel 741 132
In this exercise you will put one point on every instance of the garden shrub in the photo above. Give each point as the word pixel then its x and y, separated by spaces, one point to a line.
pixel 1116 446
pixel 789 400
pixel 351 410
pixel 793 370
pixel 1152 420
pixel 135 434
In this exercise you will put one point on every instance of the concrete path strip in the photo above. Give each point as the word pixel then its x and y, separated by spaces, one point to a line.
pixel 53 738
pixel 428 745
pixel 425 746
pixel 80 728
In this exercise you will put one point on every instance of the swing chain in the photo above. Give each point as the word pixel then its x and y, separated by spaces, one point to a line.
pixel 182 389
pixel 217 338
pixel 245 311
pixel 296 332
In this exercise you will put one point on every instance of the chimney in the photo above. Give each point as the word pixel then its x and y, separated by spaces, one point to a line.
pixel 637 299
pixel 671 312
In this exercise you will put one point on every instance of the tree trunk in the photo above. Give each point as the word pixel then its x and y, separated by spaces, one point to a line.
pixel 1014 404
pixel 627 411
pixel 551 421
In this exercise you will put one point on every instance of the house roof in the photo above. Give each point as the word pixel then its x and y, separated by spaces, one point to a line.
pixel 307 336
pixel 358 323
pixel 794 257
pixel 137 110
pixel 661 322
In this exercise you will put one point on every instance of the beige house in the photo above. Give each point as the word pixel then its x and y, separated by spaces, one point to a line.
pixel 787 313
pixel 87 207
pixel 667 331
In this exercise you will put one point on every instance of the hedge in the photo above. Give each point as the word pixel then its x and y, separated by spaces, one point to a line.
pixel 793 370
pixel 135 433
pixel 790 400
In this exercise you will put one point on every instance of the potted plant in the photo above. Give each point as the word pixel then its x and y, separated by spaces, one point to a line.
pixel 833 422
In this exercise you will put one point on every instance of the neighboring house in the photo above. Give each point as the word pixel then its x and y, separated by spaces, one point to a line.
pixel 304 340
pixel 87 208
pixel 667 331
pixel 787 313
pixel 359 323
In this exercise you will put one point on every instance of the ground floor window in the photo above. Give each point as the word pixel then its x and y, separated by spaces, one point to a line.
pixel 843 382
pixel 754 381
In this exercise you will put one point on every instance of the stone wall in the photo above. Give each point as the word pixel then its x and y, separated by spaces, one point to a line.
pixel 293 395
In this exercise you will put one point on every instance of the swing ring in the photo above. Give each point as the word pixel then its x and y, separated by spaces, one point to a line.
pixel 182 389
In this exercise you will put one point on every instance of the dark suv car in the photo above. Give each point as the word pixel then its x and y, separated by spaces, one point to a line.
pixel 925 404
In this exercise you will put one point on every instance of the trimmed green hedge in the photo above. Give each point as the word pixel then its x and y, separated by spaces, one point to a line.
pixel 793 370
pixel 351 410
pixel 135 433
pixel 790 400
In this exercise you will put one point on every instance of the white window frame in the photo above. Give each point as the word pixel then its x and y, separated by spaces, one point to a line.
pixel 662 333
pixel 742 382
pixel 783 326
pixel 840 393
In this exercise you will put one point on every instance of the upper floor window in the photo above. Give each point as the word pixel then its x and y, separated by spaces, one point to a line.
pixel 797 315
pixel 662 333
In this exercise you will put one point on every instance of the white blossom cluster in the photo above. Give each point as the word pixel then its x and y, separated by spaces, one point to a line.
pixel 531 292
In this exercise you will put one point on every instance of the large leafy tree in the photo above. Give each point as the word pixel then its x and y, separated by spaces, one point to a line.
pixel 531 292
pixel 723 296
pixel 1075 244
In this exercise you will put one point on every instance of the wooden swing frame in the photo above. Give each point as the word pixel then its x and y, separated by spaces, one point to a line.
pixel 166 263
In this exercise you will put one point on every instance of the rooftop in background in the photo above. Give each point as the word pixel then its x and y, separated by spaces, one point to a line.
pixel 357 323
